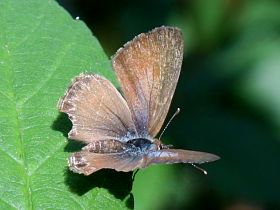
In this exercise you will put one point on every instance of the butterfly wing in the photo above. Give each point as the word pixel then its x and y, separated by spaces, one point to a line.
pixel 97 110
pixel 88 162
pixel 169 156
pixel 148 69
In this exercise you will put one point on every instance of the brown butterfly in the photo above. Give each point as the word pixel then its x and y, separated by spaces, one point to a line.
pixel 120 130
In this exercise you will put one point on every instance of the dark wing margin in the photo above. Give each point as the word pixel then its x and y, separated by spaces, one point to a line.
pixel 169 156
pixel 97 110
pixel 148 69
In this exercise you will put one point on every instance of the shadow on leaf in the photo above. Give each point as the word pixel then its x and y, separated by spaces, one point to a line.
pixel 118 184
pixel 62 124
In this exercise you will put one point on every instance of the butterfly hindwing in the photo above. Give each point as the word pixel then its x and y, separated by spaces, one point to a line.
pixel 87 162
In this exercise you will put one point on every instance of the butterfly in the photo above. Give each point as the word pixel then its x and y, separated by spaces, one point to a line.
pixel 119 130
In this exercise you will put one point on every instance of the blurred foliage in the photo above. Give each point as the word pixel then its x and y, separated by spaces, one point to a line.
pixel 228 91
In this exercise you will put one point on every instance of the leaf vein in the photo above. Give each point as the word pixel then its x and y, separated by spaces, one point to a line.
pixel 54 67
pixel 56 189
pixel 3 94
pixel 31 31
pixel 19 138
pixel 46 159
pixel 10 156
pixel 9 204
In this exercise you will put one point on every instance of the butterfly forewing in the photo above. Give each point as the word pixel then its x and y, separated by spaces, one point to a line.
pixel 148 69
pixel 97 110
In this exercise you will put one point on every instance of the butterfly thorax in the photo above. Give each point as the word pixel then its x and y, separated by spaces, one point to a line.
pixel 142 144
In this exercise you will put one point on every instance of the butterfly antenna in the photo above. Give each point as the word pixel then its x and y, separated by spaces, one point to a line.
pixel 201 169
pixel 176 113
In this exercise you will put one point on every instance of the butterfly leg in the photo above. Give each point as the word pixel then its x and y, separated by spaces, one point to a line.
pixel 160 145
pixel 166 146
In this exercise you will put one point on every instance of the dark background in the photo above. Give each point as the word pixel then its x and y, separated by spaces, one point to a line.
pixel 228 92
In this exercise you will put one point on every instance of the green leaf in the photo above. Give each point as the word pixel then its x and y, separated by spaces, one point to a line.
pixel 41 49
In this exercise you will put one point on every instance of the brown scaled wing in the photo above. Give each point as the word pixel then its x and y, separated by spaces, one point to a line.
pixel 169 156
pixel 97 110
pixel 87 162
pixel 148 69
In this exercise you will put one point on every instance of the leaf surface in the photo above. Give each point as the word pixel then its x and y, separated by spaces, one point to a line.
pixel 41 49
